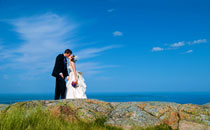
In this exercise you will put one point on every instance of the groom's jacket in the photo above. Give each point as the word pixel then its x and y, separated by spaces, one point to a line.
pixel 60 66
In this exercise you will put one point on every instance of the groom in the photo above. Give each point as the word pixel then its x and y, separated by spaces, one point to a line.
pixel 60 72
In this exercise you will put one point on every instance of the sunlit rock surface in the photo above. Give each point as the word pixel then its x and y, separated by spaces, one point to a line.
pixel 125 114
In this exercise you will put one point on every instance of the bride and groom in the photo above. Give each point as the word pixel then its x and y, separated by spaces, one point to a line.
pixel 75 87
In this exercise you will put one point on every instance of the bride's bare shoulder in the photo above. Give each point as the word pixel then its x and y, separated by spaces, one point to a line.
pixel 71 62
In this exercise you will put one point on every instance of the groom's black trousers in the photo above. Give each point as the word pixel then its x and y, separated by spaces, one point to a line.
pixel 60 89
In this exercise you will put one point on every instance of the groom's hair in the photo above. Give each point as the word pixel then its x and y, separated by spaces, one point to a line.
pixel 68 51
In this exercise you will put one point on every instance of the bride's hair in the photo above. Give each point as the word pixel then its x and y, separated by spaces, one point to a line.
pixel 74 58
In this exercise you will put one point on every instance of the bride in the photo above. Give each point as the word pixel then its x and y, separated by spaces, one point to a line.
pixel 78 91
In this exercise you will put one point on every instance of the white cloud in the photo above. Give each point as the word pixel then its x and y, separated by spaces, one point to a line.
pixel 44 37
pixel 92 52
pixel 91 68
pixel 117 33
pixel 178 44
pixel 189 51
pixel 198 41
pixel 111 10
pixel 157 49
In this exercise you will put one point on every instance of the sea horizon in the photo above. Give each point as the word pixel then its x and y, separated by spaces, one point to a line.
pixel 177 97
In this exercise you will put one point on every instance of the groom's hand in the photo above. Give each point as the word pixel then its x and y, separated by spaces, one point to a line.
pixel 61 74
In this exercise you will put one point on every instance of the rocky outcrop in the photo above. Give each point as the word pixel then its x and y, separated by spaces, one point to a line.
pixel 3 106
pixel 207 104
pixel 126 115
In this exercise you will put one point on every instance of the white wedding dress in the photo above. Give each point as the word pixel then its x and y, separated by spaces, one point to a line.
pixel 78 92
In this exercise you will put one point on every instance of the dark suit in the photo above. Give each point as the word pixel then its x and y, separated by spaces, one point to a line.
pixel 60 67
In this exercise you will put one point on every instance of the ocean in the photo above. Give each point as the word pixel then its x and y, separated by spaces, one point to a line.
pixel 178 97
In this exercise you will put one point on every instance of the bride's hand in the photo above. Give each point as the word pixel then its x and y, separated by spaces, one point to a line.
pixel 76 80
pixel 67 77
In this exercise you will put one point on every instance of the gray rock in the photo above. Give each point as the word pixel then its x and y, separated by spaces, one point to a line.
pixel 187 125
pixel 3 106
pixel 207 104
pixel 128 115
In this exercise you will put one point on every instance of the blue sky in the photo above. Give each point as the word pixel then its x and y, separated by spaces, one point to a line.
pixel 123 45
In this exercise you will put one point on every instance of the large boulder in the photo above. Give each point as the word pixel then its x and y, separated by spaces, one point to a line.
pixel 127 115
pixel 165 111
pixel 195 113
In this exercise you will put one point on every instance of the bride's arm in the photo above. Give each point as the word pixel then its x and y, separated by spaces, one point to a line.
pixel 74 70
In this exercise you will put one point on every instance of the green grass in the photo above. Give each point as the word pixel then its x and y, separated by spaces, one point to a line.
pixel 26 118
pixel 20 118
